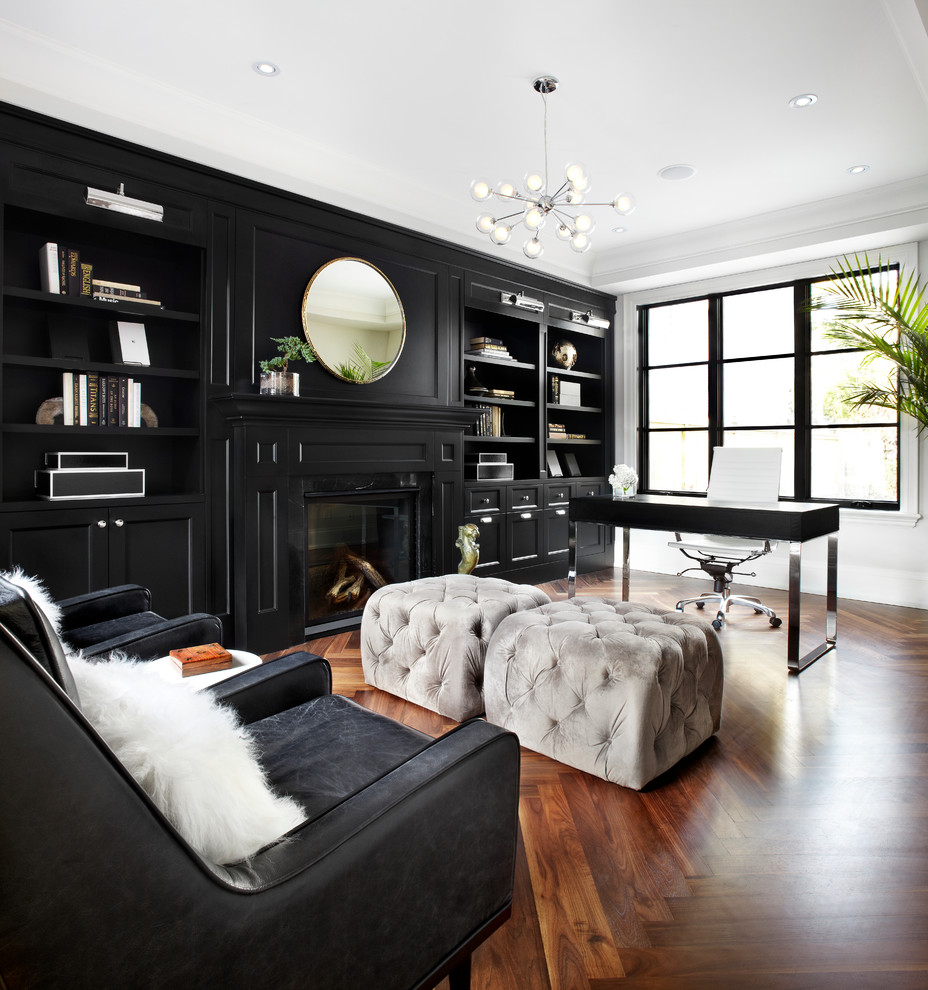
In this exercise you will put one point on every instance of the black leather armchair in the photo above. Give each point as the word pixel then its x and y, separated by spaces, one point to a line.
pixel 404 865
pixel 121 618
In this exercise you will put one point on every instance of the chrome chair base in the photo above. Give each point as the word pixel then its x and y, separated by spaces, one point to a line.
pixel 725 601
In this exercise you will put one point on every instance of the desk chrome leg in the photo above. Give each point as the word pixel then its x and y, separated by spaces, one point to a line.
pixel 625 568
pixel 794 661
pixel 571 559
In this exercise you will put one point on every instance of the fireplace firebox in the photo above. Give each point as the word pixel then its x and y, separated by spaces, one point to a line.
pixel 356 542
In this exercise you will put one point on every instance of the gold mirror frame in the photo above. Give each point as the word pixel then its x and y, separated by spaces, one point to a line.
pixel 351 322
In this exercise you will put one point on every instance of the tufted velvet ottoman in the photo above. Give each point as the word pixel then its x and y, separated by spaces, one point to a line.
pixel 426 640
pixel 619 690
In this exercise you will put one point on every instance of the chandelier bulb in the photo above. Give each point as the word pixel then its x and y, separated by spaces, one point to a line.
pixel 480 190
pixel 500 234
pixel 485 223
pixel 533 248
pixel 564 232
pixel 506 190
pixel 584 223
pixel 624 204
pixel 534 182
pixel 580 242
pixel 534 218
pixel 576 173
pixel 574 196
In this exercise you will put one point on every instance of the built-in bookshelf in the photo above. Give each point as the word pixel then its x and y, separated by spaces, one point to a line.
pixel 552 420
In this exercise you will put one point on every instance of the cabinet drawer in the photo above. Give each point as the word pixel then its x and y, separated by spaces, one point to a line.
pixel 525 534
pixel 557 494
pixel 524 497
pixel 589 488
pixel 484 500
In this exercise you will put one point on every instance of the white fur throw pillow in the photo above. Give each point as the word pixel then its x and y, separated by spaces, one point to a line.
pixel 190 754
pixel 38 593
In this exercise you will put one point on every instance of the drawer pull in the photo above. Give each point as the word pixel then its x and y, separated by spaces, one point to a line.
pixel 561 512
pixel 486 519
pixel 101 524
pixel 526 498
pixel 484 501
pixel 120 523
pixel 525 515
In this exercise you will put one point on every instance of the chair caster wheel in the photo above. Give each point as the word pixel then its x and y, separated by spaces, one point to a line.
pixel 700 604
pixel 776 623
pixel 717 624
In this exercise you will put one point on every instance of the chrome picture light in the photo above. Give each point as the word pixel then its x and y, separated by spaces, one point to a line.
pixel 119 202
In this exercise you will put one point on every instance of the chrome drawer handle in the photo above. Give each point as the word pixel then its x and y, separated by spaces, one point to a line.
pixel 484 501
pixel 525 515
pixel 101 524
pixel 561 512
pixel 120 523
pixel 486 519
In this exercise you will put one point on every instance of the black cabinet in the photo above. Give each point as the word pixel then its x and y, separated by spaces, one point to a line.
pixel 76 550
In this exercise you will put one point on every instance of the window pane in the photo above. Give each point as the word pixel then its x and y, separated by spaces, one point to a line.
pixel 833 375
pixel 759 393
pixel 679 333
pixel 784 439
pixel 678 397
pixel 856 463
pixel 822 319
pixel 756 323
pixel 679 461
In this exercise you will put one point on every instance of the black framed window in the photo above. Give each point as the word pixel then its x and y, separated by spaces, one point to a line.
pixel 754 368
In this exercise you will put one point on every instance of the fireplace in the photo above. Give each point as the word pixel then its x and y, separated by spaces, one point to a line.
pixel 356 542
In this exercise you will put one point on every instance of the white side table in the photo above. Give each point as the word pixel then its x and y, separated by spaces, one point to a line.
pixel 171 673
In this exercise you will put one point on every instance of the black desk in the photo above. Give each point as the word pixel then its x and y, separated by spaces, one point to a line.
pixel 788 522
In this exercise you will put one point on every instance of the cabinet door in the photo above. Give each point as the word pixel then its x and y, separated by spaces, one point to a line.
pixel 556 531
pixel 526 542
pixel 67 549
pixel 491 541
pixel 160 547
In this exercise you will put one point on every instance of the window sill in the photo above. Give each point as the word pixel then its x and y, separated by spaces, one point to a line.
pixel 878 517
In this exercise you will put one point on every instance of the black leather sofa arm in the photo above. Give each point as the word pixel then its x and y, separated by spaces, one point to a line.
pixel 275 686
pixel 158 640
pixel 98 606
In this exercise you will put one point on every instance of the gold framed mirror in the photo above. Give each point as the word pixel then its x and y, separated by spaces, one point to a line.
pixel 354 320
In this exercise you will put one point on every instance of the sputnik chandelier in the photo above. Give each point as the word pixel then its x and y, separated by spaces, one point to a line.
pixel 540 204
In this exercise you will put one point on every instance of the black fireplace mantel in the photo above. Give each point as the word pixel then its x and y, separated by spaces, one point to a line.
pixel 306 410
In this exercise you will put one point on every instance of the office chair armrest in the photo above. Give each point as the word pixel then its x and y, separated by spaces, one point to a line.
pixel 99 606
pixel 275 686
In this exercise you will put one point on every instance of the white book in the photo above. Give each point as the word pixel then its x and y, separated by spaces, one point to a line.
pixel 82 401
pixel 48 268
pixel 67 397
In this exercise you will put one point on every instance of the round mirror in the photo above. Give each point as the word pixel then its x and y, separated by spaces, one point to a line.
pixel 354 320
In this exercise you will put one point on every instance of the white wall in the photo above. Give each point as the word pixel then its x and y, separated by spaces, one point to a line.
pixel 882 556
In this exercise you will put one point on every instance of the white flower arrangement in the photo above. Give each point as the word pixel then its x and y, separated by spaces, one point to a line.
pixel 623 477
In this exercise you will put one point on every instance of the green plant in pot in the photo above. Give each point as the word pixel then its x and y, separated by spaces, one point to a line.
pixel 276 378
pixel 887 320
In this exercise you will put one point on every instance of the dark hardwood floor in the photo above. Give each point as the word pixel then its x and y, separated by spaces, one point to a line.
pixel 790 852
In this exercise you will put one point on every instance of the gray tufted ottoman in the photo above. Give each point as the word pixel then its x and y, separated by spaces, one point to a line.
pixel 619 690
pixel 426 640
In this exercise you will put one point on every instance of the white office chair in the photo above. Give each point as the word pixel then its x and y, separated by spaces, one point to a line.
pixel 744 475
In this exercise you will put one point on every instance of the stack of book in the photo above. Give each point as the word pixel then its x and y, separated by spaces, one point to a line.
pixel 490 423
pixel 489 347
pixel 557 431
pixel 93 399
pixel 63 272
pixel 500 393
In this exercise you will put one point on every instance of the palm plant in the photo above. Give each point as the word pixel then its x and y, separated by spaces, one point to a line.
pixel 362 368
pixel 885 322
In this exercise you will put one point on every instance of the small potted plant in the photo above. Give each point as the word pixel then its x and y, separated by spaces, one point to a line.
pixel 623 480
pixel 275 378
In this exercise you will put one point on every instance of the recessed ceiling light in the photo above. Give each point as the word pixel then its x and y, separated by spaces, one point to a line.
pixel 858 169
pixel 674 173
pixel 803 100
pixel 266 68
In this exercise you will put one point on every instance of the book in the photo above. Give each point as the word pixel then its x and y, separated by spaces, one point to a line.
pixel 103 284
pixel 201 659
pixel 485 352
pixel 481 341
pixel 86 280
pixel 67 398
pixel 93 399
pixel 109 298
pixel 48 268
pixel 73 263
pixel 500 393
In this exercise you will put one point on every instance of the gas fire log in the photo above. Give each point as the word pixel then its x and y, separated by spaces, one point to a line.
pixel 347 586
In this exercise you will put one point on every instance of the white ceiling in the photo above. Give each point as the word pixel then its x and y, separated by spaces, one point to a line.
pixel 392 109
